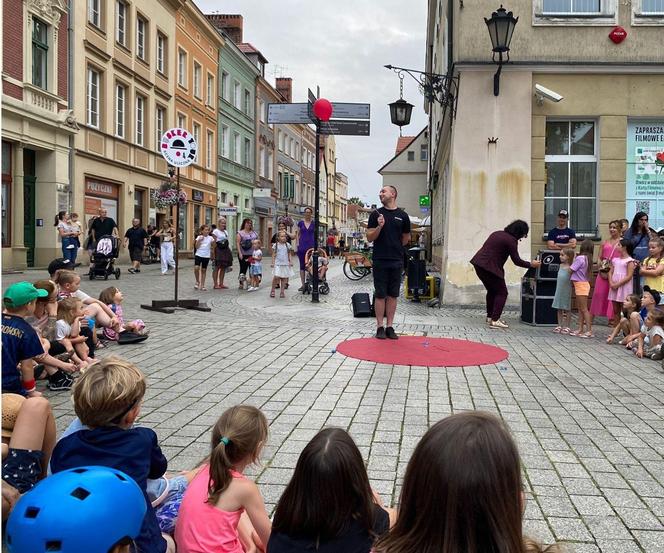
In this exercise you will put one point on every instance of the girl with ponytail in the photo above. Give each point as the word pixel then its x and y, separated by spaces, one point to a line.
pixel 215 508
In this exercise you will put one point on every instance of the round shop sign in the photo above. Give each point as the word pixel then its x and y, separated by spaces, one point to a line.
pixel 178 147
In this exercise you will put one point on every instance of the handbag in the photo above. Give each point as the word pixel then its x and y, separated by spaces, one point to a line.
pixel 605 265
pixel 223 243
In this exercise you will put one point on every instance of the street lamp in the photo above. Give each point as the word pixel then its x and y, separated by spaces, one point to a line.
pixel 400 112
pixel 501 27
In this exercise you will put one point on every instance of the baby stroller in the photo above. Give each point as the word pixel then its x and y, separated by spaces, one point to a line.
pixel 102 260
pixel 323 261
pixel 151 254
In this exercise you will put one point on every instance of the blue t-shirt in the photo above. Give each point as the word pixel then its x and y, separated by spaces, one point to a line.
pixel 19 342
pixel 640 243
pixel 134 451
pixel 561 235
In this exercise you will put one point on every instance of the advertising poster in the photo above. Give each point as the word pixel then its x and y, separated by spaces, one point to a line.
pixel 645 170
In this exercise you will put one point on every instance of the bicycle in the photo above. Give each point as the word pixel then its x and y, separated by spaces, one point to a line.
pixel 357 265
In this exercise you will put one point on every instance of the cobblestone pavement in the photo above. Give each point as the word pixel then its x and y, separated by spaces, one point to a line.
pixel 588 418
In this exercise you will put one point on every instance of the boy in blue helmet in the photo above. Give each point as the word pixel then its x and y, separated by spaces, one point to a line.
pixel 91 509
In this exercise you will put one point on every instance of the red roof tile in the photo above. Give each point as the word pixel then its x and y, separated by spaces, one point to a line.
pixel 403 142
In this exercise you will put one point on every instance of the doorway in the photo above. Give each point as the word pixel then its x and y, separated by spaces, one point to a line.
pixel 29 190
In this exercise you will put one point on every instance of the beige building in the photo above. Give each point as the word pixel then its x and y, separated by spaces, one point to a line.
pixel 37 130
pixel 341 194
pixel 587 146
pixel 124 76
pixel 328 144
pixel 407 172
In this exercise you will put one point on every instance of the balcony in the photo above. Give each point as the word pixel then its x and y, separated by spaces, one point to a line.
pixel 41 99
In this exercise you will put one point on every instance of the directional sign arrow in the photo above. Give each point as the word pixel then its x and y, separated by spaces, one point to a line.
pixel 341 110
pixel 288 113
pixel 340 127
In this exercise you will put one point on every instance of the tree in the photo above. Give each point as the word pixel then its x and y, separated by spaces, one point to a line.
pixel 356 200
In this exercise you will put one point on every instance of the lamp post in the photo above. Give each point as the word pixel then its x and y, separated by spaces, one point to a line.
pixel 501 28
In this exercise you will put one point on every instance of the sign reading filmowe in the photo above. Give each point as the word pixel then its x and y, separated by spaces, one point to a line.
pixel 645 170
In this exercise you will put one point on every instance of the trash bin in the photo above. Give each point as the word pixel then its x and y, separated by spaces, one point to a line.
pixel 538 286
pixel 416 272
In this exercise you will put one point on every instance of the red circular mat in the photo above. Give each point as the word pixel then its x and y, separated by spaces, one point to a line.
pixel 423 351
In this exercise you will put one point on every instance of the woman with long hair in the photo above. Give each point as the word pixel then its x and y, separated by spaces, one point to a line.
pixel 68 233
pixel 244 239
pixel 305 241
pixel 639 235
pixel 167 235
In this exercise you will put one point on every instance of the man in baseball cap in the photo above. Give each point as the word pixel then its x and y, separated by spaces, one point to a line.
pixel 561 236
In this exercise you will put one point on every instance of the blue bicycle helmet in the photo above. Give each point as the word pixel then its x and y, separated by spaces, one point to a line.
pixel 82 510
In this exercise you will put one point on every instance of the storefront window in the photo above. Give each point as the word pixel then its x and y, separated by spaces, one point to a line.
pixel 208 215
pixel 197 218
pixel 6 193
pixel 571 174
pixel 183 242
pixel 139 197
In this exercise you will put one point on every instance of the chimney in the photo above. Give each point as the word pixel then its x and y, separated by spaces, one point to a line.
pixel 229 24
pixel 285 88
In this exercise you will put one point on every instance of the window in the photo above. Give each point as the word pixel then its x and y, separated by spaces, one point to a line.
pixel 141 31
pixel 246 204
pixel 210 90
pixel 270 165
pixel 94 12
pixel 39 53
pixel 209 150
pixel 236 95
pixel 120 112
pixel 225 146
pixel 161 53
pixel 297 151
pixel 247 153
pixel 571 174
pixel 261 110
pixel 411 155
pixel 237 154
pixel 182 68
pixel 571 6
pixel 182 121
pixel 290 147
pixel 140 120
pixel 654 7
pixel 197 138
pixel 93 98
pixel 224 85
pixel 160 122
pixel 121 22
pixel 247 102
pixel 424 152
pixel 261 161
pixel 223 197
pixel 197 80
pixel 281 140
pixel 236 200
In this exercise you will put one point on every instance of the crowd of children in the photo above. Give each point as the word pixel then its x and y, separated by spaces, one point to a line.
pixel 466 469
pixel 638 319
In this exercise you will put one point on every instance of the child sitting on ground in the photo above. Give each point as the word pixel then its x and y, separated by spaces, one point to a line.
pixel 256 267
pixel 112 297
pixel 22 349
pixel 211 515
pixel 107 522
pixel 68 332
pixel 107 399
pixel 630 322
pixel 466 470
pixel 330 472
pixel 652 336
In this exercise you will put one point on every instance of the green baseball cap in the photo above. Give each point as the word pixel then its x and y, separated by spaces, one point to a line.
pixel 22 293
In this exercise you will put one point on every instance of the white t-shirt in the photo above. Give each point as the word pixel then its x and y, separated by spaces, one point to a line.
pixel 203 248
pixel 651 333
pixel 62 329
pixel 281 253
pixel 257 255
pixel 219 235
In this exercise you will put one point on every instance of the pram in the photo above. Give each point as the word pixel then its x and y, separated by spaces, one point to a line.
pixel 105 254
pixel 151 254
pixel 323 261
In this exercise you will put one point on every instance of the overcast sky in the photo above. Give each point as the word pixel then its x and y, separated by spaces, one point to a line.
pixel 342 47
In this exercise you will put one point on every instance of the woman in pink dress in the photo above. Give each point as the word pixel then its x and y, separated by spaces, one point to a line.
pixel 601 306
pixel 620 276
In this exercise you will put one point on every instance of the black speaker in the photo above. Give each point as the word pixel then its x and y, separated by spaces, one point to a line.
pixel 361 304
pixel 417 269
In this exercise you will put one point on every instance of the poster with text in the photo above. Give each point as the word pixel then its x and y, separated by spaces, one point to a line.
pixel 645 170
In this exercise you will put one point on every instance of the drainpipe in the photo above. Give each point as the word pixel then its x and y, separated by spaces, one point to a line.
pixel 70 96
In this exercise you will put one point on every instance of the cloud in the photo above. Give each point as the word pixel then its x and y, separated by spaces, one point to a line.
pixel 342 47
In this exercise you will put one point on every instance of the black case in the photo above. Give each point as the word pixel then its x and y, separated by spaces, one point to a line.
pixel 361 304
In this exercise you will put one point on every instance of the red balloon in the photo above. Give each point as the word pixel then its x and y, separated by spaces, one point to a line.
pixel 323 109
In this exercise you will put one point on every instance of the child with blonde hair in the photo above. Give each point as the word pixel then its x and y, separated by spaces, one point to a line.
pixel 652 267
pixel 282 263
pixel 581 269
pixel 211 514
pixel 112 296
pixel 68 332
pixel 651 339
pixel 256 267
pixel 107 400
pixel 630 322
pixel 562 300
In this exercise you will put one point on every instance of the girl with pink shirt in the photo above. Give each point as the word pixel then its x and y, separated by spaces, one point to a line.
pixel 214 511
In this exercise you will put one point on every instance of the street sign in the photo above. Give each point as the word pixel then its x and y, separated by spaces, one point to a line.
pixel 288 113
pixel 342 110
pixel 262 192
pixel 223 211
pixel 178 147
pixel 339 127
pixel 425 201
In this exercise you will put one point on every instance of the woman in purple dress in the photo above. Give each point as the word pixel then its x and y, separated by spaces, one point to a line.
pixel 305 240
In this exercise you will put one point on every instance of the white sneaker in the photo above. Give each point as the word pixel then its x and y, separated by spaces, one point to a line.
pixel 251 289
pixel 498 324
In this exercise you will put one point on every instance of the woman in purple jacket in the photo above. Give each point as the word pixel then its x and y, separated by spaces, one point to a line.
pixel 489 262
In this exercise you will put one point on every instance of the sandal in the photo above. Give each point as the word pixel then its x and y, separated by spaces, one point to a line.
pixel 574 333
pixel 204 289
pixel 566 330
pixel 282 295
pixel 272 294
pixel 587 335
pixel 64 357
pixel 217 287
pixel 558 330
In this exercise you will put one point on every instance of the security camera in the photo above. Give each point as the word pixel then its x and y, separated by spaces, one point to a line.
pixel 541 92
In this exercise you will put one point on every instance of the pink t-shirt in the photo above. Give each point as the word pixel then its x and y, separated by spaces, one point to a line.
pixel 579 268
pixel 201 527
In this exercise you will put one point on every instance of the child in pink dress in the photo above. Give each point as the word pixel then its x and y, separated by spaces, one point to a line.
pixel 620 276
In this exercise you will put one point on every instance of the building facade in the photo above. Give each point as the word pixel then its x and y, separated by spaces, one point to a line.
pixel 38 128
pixel 196 97
pixel 341 206
pixel 237 130
pixel 592 152
pixel 124 99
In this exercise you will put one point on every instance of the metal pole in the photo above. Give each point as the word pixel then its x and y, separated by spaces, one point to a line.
pixel 177 232
pixel 314 279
